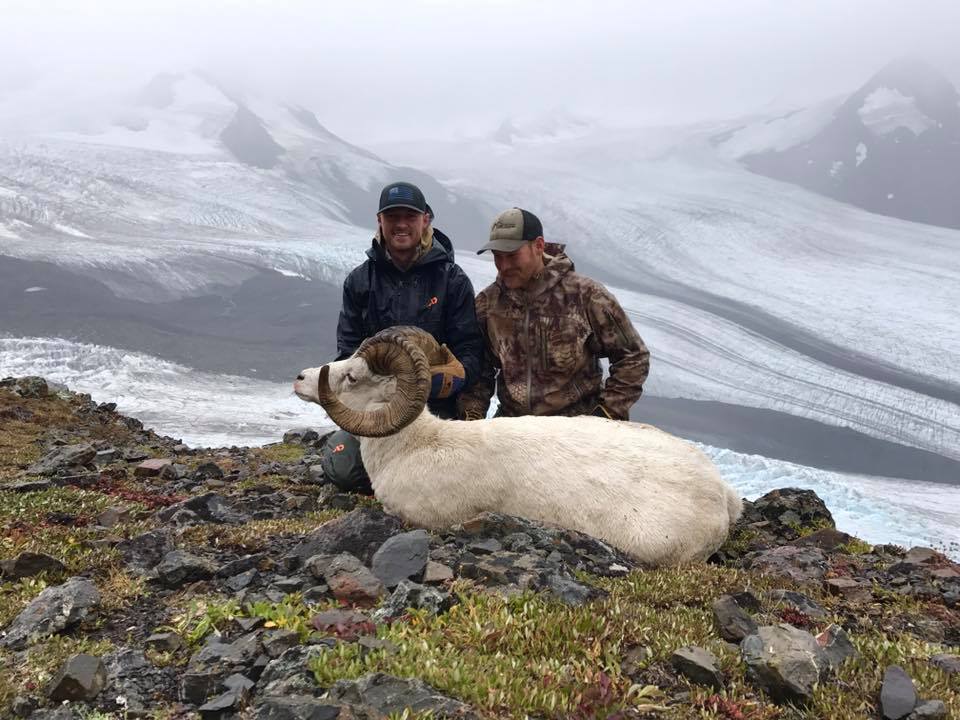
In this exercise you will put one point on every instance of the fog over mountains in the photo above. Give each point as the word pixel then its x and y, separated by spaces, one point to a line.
pixel 181 248
pixel 892 147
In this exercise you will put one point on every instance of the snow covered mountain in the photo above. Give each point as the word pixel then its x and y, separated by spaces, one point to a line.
pixel 893 147
pixel 184 167
pixel 188 223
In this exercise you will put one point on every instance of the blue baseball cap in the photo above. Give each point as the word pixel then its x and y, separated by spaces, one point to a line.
pixel 402 195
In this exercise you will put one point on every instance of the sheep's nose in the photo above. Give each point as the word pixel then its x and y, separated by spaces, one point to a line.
pixel 300 376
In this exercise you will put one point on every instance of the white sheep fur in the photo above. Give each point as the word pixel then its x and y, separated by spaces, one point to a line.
pixel 642 490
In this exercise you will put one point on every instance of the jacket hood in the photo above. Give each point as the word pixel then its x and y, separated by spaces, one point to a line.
pixel 556 264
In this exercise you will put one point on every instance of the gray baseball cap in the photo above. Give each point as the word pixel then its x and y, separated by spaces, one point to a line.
pixel 512 229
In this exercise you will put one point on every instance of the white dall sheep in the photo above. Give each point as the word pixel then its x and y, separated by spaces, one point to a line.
pixel 638 488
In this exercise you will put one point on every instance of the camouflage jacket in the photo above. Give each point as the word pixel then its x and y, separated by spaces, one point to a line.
pixel 544 344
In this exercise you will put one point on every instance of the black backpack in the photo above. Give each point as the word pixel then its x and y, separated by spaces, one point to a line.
pixel 342 465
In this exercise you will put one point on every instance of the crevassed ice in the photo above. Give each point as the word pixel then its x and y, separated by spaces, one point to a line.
pixel 879 510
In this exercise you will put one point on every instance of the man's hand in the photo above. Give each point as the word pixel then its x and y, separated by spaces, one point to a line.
pixel 473 415
pixel 448 377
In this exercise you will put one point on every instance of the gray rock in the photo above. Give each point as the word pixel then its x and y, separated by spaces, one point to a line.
pixel 359 532
pixel 289 584
pixel 789 506
pixel 922 556
pixel 152 467
pixel 929 710
pixel 797 563
pixel 898 696
pixel 734 622
pixel 222 705
pixel 436 573
pixel 179 567
pixel 567 590
pixel 241 564
pixel 849 588
pixel 61 458
pixel 133 684
pixel 111 517
pixel 209 667
pixel 27 486
pixel 242 580
pixel 412 595
pixel 797 601
pixel 105 457
pixel 836 645
pixel 211 507
pixel 351 582
pixel 387 694
pixel 485 546
pixel 317 565
pixel 302 436
pixel 208 471
pixel 297 707
pixel 949 664
pixel 80 480
pixel 315 474
pixel 402 557
pixel 277 642
pixel 53 610
pixel 81 678
pixel 143 552
pixel 28 564
pixel 635 659
pixel 22 706
pixel 164 642
pixel 174 472
pixel 289 674
pixel 316 594
pixel 784 661
pixel 31 386
pixel 698 665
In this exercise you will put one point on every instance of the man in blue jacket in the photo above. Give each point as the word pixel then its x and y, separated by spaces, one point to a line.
pixel 410 278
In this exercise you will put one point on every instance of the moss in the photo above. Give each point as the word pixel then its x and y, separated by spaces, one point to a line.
pixel 21 440
pixel 530 655
pixel 31 522
pixel 281 452
pixel 739 542
pixel 816 525
pixel 198 617
pixel 856 546
pixel 257 535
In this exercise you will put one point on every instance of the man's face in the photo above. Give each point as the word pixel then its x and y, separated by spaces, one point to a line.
pixel 518 268
pixel 401 228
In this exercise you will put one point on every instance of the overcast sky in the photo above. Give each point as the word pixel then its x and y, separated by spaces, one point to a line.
pixel 376 70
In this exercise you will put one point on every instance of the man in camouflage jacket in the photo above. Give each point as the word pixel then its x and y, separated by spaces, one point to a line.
pixel 546 328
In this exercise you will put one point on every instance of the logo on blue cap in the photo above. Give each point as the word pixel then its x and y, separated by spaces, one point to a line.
pixel 401 192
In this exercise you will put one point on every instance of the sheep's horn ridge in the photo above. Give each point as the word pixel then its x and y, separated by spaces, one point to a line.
pixel 387 353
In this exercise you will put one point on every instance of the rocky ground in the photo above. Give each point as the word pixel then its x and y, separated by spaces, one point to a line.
pixel 140 578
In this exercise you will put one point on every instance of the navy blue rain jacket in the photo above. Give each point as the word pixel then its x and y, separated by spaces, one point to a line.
pixel 435 294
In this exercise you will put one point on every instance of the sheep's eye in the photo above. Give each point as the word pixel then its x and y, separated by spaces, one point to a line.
pixel 351 379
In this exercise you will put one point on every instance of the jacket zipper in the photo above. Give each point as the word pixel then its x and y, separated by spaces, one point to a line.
pixel 526 329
